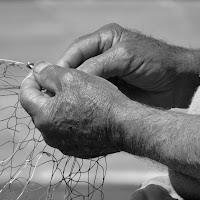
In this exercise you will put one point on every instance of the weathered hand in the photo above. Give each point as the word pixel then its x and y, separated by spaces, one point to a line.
pixel 78 116
pixel 145 69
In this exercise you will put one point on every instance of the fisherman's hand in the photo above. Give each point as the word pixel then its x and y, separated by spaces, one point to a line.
pixel 77 114
pixel 143 68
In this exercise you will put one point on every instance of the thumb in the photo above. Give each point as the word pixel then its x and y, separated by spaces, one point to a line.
pixel 106 65
pixel 47 76
pixel 31 97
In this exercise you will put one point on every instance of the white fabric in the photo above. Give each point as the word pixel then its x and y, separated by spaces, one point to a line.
pixel 194 107
pixel 164 182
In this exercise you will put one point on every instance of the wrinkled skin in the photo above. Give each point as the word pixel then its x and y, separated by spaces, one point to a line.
pixel 143 68
pixel 76 120
pixel 77 117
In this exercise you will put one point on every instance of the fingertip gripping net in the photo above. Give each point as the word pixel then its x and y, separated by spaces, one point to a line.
pixel 29 168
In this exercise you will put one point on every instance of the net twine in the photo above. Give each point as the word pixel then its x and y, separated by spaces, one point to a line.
pixel 29 168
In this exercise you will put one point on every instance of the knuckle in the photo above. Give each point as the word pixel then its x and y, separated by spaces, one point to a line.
pixel 51 77
pixel 81 39
pixel 70 79
pixel 112 26
pixel 120 32
pixel 114 30
pixel 124 49
pixel 67 78
pixel 47 71
pixel 51 71
pixel 127 35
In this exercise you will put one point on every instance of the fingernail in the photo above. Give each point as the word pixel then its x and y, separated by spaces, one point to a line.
pixel 39 66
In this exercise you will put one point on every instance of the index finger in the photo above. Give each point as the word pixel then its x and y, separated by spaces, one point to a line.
pixel 31 97
pixel 79 51
pixel 86 47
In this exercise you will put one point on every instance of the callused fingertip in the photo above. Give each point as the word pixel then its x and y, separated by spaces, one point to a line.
pixel 39 66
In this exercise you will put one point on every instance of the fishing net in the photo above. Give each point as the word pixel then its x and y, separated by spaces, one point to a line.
pixel 29 168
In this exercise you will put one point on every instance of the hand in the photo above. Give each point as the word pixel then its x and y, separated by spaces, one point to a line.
pixel 143 68
pixel 76 115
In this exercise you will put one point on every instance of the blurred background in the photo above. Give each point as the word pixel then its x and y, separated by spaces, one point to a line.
pixel 34 30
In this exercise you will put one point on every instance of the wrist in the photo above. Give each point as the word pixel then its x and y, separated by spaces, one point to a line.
pixel 163 136
pixel 129 123
pixel 196 58
pixel 187 64
pixel 188 60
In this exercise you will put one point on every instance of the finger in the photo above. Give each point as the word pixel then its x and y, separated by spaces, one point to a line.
pixel 79 51
pixel 48 76
pixel 113 62
pixel 87 47
pixel 31 97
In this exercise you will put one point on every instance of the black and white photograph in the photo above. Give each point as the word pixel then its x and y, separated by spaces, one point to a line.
pixel 99 100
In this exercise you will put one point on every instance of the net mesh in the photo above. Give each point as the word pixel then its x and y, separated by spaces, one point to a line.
pixel 30 169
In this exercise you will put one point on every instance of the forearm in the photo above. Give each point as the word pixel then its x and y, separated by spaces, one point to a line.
pixel 167 137
pixel 188 60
